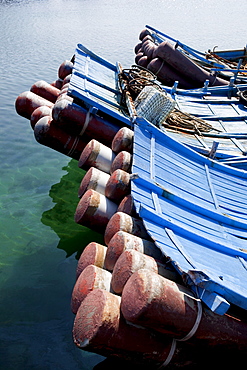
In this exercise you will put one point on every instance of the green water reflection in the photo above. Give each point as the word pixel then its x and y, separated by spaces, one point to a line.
pixel 72 237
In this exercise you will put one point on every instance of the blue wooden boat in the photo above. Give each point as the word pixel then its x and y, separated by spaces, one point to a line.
pixel 95 85
pixel 226 63
pixel 193 206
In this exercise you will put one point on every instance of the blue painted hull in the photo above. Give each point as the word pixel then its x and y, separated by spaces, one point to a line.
pixel 195 208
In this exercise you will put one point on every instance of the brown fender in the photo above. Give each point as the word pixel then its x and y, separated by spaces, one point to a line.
pixel 77 121
pixel 94 210
pixel 185 66
pixel 122 222
pixel 100 328
pixel 27 102
pixel 168 75
pixel 122 241
pixel 171 309
pixel 38 113
pixel 65 69
pixel 93 254
pixel 45 90
pixel 49 134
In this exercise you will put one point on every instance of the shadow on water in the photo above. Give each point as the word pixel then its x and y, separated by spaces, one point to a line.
pixel 73 237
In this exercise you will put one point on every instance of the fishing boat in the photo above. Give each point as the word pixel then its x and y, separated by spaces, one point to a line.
pixel 225 64
pixel 192 206
pixel 169 283
pixel 209 190
pixel 219 128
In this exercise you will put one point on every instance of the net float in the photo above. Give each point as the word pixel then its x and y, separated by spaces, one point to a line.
pixel 46 132
pixel 92 277
pixel 93 254
pixel 28 101
pixel 94 210
pixel 96 154
pixel 121 221
pixel 45 90
pixel 123 140
pixel 93 179
pixel 122 241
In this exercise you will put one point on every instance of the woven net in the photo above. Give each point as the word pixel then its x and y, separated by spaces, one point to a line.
pixel 154 105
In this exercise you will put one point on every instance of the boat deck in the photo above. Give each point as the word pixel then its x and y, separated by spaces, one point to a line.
pixel 195 210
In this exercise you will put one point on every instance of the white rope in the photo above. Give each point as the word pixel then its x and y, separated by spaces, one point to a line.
pixel 187 336
pixel 87 120
pixel 161 66
pixel 73 147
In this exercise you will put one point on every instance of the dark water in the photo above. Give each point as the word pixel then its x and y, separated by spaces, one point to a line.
pixel 39 241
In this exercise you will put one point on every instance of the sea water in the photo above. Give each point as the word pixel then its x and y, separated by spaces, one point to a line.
pixel 39 240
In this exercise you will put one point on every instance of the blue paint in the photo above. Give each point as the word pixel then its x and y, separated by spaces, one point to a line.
pixel 197 232
pixel 195 208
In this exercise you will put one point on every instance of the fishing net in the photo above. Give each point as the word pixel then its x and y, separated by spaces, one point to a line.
pixel 153 103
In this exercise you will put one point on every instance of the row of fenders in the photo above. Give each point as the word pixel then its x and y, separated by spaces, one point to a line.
pixel 128 301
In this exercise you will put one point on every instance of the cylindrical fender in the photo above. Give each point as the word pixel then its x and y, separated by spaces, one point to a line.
pixel 123 140
pixel 168 75
pixel 93 179
pixel 122 241
pixel 122 161
pixel 45 90
pixel 185 66
pixel 121 221
pixel 94 210
pixel 100 328
pixel 65 69
pixel 38 113
pixel 27 102
pixel 96 154
pixel 92 277
pixel 93 254
pixel 148 48
pixel 78 121
pixel 46 132
pixel 144 33
pixel 118 185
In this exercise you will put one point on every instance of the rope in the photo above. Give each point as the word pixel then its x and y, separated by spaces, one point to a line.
pixel 186 337
pixel 87 120
pixel 161 66
pixel 180 120
pixel 137 78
